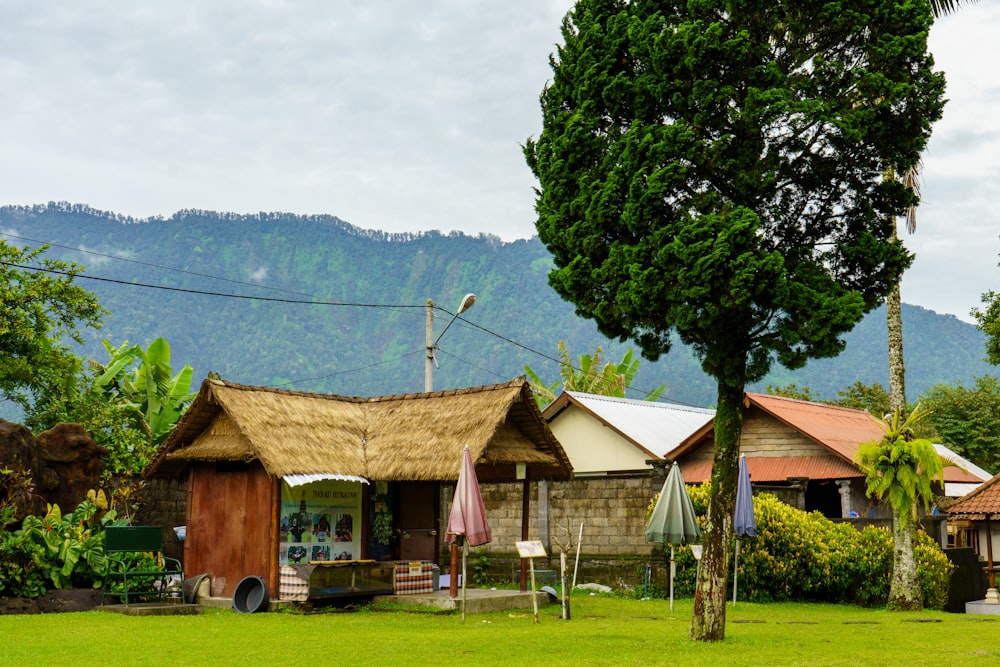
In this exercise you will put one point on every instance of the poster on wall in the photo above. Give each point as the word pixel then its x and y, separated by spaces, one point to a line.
pixel 320 521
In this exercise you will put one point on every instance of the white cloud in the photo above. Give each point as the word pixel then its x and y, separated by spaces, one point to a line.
pixel 393 116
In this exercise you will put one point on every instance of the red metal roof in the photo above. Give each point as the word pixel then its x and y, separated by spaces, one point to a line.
pixel 841 430
pixel 778 468
pixel 983 503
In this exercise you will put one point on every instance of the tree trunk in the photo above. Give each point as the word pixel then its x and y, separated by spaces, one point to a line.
pixel 904 591
pixel 897 369
pixel 709 621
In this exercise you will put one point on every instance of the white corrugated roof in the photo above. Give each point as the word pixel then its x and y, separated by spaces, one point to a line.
pixel 658 427
pixel 299 480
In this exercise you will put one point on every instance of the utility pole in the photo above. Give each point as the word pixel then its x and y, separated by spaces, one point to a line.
pixel 431 343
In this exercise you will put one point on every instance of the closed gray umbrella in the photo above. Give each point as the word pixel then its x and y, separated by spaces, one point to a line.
pixel 673 519
pixel 744 522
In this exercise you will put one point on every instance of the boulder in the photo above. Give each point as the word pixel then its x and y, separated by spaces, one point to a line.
pixel 62 464
pixel 69 464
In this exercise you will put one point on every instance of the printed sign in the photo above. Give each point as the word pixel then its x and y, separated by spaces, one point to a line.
pixel 320 521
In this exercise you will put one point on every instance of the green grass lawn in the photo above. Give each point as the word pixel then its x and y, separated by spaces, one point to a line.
pixel 605 630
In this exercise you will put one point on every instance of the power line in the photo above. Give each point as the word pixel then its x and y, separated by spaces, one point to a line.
pixel 351 370
pixel 311 301
pixel 248 297
pixel 154 266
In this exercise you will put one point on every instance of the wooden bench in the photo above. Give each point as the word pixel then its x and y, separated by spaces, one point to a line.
pixel 144 578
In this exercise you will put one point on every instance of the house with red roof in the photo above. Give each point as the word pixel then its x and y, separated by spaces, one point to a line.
pixel 803 452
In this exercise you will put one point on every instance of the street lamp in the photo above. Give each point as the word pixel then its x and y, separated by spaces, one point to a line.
pixel 467 301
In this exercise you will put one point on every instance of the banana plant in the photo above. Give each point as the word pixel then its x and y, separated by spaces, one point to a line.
pixel 590 375
pixel 149 387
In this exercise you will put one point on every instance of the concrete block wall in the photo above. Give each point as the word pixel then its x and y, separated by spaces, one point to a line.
pixel 611 509
pixel 613 550
pixel 164 503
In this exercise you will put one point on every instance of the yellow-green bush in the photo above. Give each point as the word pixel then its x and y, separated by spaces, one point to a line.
pixel 803 556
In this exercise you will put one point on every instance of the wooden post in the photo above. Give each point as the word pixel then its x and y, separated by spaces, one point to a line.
pixel 534 596
pixel 565 593
pixel 453 578
pixel 525 509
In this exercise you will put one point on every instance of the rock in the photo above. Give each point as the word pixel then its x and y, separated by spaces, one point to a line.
pixel 69 464
pixel 70 599
pixel 600 588
pixel 18 606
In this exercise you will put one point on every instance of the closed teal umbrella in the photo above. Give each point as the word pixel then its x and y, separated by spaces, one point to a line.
pixel 673 519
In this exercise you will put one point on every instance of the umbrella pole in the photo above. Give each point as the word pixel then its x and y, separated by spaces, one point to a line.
pixel 736 564
pixel 465 552
pixel 673 570
pixel 576 564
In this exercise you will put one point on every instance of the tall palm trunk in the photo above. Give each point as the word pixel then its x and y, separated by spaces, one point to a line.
pixel 904 589
pixel 897 369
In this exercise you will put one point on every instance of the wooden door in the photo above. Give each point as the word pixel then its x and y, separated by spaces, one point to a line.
pixel 418 521
pixel 230 525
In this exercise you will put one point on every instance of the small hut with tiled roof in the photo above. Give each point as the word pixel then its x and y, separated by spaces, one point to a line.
pixel 975 520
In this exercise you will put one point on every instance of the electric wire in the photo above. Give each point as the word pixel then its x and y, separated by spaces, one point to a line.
pixel 312 301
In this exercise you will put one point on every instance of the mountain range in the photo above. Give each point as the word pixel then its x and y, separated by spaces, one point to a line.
pixel 313 303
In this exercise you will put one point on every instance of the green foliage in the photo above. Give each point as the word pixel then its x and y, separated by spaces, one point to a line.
pixel 874 398
pixel 128 406
pixel 791 391
pixel 900 468
pixel 967 420
pixel 148 387
pixel 800 556
pixel 589 376
pixel 42 311
pixel 21 574
pixel 69 550
pixel 988 319
pixel 480 568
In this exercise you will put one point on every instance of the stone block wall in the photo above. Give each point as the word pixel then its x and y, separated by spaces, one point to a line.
pixel 164 503
pixel 613 549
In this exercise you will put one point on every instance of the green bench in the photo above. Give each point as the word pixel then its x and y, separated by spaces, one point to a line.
pixel 145 579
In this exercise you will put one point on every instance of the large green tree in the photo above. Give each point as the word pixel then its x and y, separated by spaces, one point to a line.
pixel 714 169
pixel 42 311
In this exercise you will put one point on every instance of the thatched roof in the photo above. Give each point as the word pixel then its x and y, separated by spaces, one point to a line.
pixel 407 437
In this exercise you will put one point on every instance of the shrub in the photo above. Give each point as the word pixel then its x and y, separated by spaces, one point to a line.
pixel 54 551
pixel 799 556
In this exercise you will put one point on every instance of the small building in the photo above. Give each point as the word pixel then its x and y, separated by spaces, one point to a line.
pixel 803 452
pixel 280 478
pixel 605 435
pixel 974 522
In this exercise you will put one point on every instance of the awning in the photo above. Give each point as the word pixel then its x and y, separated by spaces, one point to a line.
pixel 299 480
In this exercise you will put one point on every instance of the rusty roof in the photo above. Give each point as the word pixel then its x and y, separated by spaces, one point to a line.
pixel 778 468
pixel 841 430
pixel 981 504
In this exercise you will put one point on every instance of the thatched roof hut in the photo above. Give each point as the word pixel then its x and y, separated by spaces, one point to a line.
pixel 409 437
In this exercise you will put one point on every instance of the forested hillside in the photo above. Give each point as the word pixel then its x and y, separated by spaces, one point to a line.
pixel 374 343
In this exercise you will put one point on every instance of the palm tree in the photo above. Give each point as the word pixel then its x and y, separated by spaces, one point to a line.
pixel 893 305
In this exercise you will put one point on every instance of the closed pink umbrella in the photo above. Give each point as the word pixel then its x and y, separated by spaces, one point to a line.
pixel 467 522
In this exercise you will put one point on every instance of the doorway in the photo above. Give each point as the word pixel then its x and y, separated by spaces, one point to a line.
pixel 418 520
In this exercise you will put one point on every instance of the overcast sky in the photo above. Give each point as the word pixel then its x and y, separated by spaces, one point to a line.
pixel 390 115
